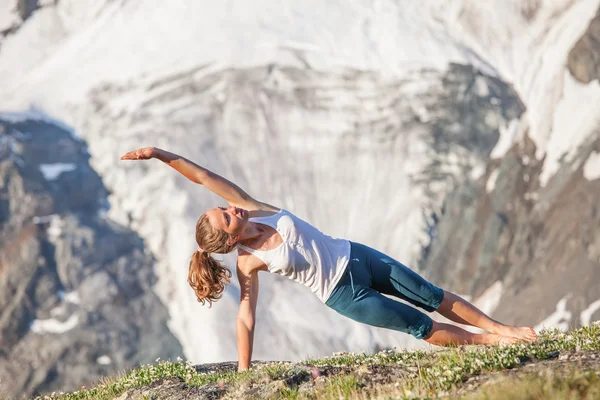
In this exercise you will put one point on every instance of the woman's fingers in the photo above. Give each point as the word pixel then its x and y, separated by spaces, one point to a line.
pixel 132 155
pixel 139 154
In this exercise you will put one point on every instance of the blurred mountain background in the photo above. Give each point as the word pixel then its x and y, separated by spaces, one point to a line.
pixel 461 138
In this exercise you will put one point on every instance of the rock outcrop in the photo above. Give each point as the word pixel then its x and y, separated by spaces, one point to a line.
pixel 76 299
pixel 529 251
pixel 584 57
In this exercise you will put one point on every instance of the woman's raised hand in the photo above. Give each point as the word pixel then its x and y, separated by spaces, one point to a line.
pixel 145 153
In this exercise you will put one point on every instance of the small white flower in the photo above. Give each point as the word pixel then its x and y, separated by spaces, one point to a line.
pixel 179 359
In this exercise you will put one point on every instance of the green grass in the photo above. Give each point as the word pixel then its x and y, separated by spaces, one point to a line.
pixel 340 387
pixel 427 373
pixel 439 371
pixel 576 385
pixel 291 394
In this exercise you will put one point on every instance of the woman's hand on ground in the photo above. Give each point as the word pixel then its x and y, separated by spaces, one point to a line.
pixel 144 153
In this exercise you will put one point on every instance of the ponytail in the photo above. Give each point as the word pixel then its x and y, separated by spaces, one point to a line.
pixel 207 277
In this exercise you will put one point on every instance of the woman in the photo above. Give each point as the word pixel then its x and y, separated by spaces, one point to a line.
pixel 348 277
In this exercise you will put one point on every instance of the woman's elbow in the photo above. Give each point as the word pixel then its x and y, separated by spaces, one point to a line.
pixel 247 320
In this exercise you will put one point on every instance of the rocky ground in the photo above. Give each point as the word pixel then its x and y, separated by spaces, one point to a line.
pixel 557 365
pixel 373 379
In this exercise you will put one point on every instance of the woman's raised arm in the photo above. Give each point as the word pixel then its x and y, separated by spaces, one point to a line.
pixel 229 191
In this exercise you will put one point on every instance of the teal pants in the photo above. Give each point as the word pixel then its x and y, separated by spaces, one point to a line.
pixel 369 275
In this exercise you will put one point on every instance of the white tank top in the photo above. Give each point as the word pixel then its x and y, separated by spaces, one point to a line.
pixel 306 255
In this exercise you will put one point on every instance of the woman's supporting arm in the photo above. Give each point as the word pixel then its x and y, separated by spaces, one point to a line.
pixel 229 191
pixel 246 317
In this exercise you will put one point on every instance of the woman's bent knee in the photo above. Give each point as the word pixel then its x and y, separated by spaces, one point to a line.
pixel 424 329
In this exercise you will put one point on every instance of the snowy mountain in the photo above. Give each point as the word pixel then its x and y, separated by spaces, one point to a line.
pixel 392 123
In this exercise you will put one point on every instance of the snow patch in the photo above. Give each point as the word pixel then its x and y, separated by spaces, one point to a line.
pixel 104 360
pixel 477 172
pixel 586 315
pixel 43 219
pixel 558 319
pixel 52 171
pixel 53 325
pixel 575 118
pixel 591 168
pixel 491 182
pixel 490 299
pixel 508 135
pixel 9 17
pixel 55 229
pixel 70 297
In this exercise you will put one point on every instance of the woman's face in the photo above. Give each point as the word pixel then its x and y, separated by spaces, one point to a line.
pixel 232 220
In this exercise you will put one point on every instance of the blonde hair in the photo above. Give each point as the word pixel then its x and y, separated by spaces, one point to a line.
pixel 207 276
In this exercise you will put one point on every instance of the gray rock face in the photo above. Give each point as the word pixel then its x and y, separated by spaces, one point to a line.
pixel 26 8
pixel 76 299
pixel 536 245
pixel 541 243
pixel 584 57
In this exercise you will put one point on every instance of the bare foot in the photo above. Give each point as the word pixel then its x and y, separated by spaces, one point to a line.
pixel 499 340
pixel 524 333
